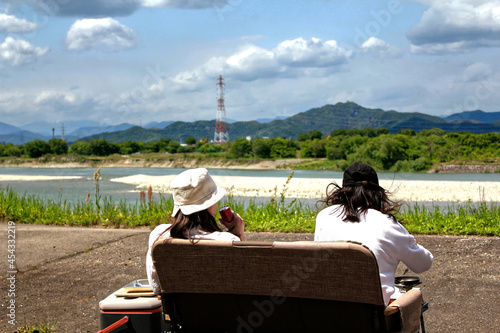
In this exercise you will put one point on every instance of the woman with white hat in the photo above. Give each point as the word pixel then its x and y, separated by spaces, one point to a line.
pixel 196 197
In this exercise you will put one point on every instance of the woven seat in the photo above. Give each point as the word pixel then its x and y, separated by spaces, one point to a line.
pixel 224 286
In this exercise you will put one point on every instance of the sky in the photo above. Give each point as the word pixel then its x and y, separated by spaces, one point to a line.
pixel 138 61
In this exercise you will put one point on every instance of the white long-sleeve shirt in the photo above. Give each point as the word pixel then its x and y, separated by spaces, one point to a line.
pixel 161 231
pixel 389 241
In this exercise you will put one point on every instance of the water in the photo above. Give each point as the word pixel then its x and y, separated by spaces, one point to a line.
pixel 76 189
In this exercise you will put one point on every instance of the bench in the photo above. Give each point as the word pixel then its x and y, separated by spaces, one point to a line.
pixel 251 287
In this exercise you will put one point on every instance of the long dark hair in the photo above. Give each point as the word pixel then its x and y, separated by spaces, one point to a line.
pixel 182 224
pixel 356 200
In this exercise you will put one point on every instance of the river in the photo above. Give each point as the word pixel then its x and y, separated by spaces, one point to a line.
pixel 73 184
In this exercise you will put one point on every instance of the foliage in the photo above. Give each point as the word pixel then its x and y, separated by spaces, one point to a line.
pixel 206 148
pixel 283 148
pixel 101 147
pixel 129 147
pixel 58 146
pixel 79 148
pixel 37 148
pixel 312 135
pixel 190 140
pixel 240 148
pixel 313 148
pixel 406 151
pixel 261 148
pixel 11 150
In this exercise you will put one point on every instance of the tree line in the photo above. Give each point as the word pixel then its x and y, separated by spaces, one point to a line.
pixel 406 150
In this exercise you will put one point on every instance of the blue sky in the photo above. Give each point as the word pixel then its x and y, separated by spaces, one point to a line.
pixel 137 61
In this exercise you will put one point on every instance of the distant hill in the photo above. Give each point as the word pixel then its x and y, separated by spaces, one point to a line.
pixel 268 120
pixel 7 129
pixel 87 131
pixel 478 115
pixel 16 135
pixel 20 137
pixel 155 124
pixel 325 119
pixel 45 128
pixel 135 133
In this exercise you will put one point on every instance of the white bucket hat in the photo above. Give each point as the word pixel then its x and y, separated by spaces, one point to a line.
pixel 194 190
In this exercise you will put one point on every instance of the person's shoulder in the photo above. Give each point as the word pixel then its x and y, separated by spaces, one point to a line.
pixel 379 216
pixel 389 222
pixel 158 230
pixel 216 235
pixel 330 210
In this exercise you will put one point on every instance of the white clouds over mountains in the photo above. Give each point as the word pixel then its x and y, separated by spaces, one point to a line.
pixel 456 26
pixel 279 55
pixel 105 33
pixel 291 57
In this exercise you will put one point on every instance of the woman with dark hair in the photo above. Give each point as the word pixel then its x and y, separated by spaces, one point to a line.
pixel 196 197
pixel 361 211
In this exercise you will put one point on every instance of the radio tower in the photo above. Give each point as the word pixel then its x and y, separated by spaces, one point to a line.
pixel 221 135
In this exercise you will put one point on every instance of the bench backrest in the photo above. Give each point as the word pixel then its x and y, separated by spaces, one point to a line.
pixel 210 286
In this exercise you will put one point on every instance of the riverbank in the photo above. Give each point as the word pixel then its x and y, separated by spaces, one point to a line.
pixel 151 162
pixel 182 161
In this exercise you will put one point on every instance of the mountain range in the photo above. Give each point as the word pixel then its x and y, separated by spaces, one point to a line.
pixel 325 119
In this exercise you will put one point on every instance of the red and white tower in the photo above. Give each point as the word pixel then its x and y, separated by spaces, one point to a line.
pixel 221 135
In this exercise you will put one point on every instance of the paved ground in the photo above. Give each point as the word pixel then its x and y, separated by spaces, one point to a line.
pixel 65 271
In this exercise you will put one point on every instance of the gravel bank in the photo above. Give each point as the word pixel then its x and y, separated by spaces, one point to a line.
pixel 455 191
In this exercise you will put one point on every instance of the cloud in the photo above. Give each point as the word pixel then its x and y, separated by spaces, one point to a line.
pixel 458 26
pixel 477 72
pixel 17 51
pixel 70 104
pixel 104 33
pixel 49 97
pixel 310 53
pixel 185 4
pixel 12 24
pixel 380 47
pixel 289 58
pixel 110 8
pixel 87 8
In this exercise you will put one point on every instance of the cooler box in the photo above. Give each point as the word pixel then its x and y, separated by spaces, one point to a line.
pixel 142 309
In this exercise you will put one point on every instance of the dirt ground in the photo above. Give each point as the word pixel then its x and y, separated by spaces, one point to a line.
pixel 63 278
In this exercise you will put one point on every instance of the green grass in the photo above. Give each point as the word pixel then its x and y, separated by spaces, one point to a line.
pixel 273 215
pixel 45 328
pixel 459 219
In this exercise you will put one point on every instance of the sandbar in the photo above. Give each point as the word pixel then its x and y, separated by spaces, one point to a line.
pixel 315 188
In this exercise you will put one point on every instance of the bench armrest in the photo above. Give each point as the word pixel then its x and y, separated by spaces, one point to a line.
pixel 408 306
